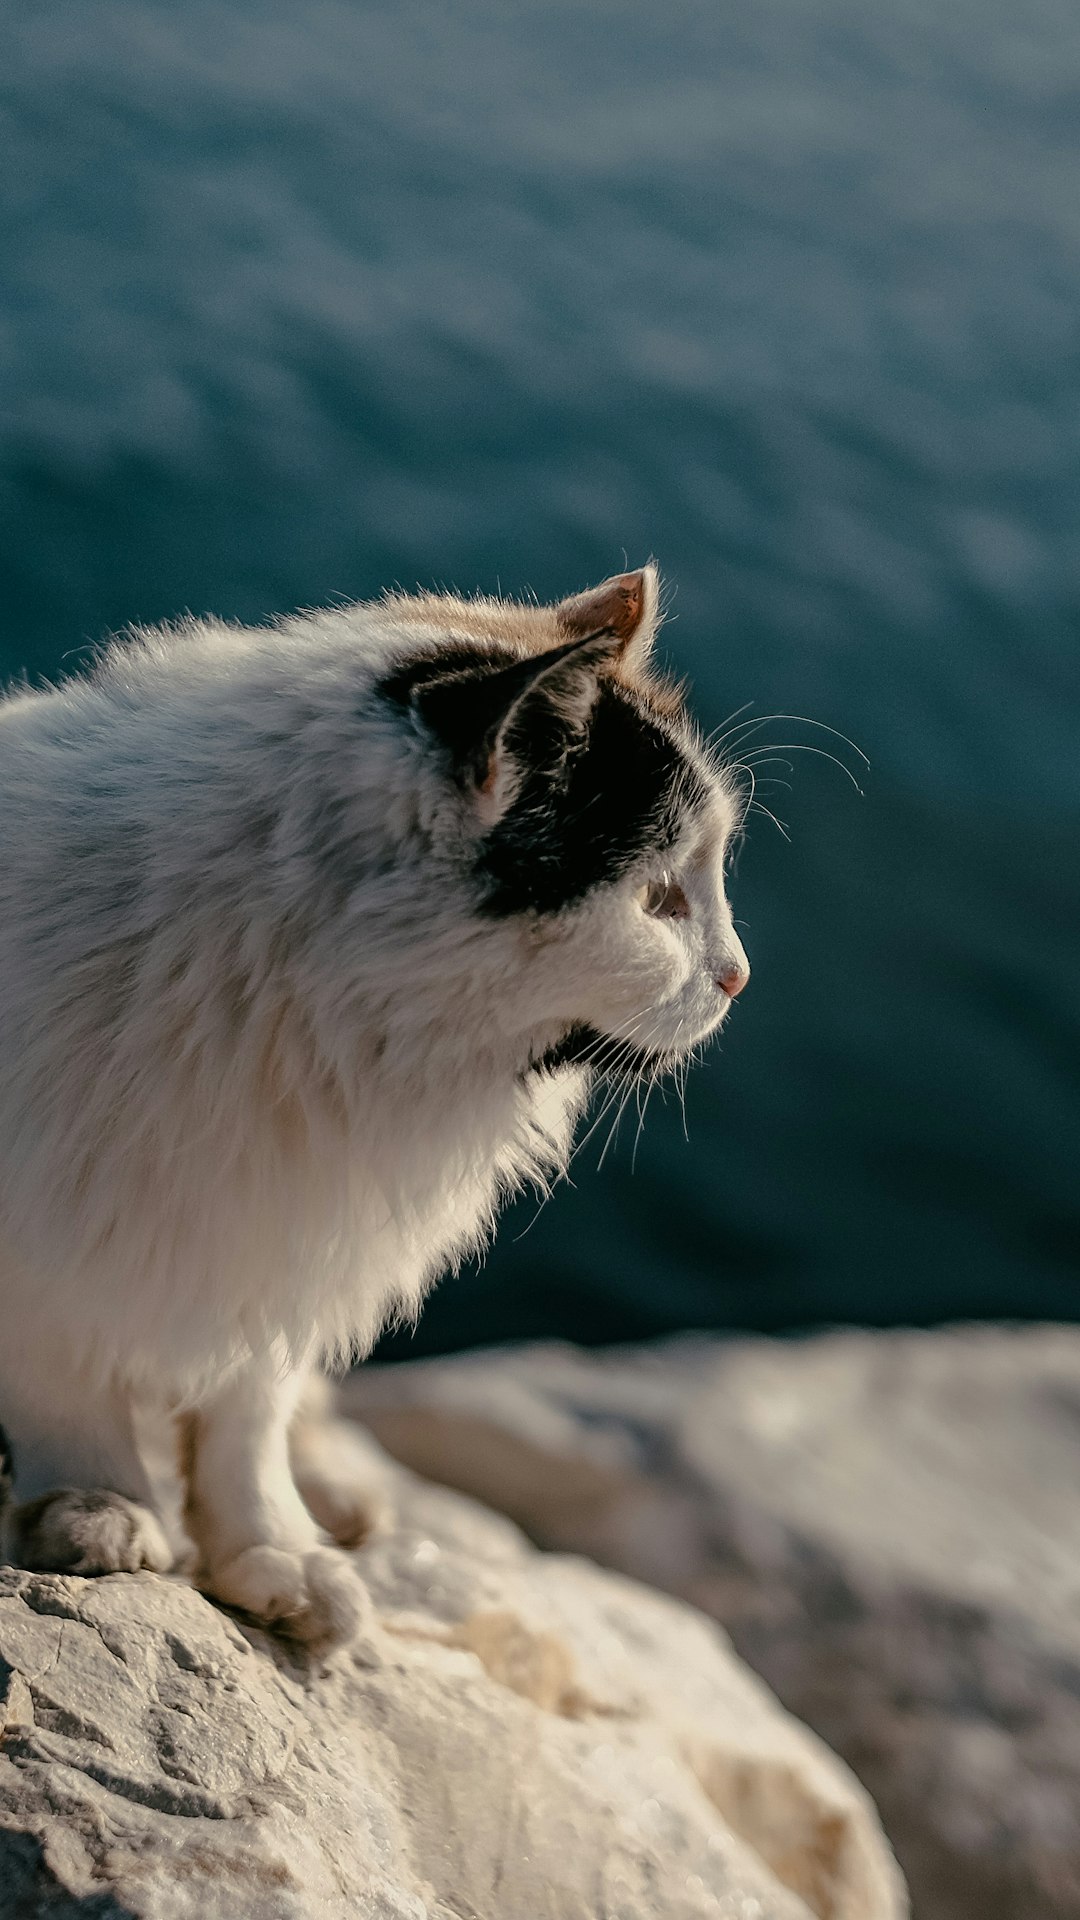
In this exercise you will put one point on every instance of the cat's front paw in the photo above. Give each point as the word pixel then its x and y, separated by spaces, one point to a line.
pixel 314 1597
pixel 89 1531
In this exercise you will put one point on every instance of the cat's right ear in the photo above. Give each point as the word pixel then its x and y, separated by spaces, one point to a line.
pixel 494 723
pixel 628 603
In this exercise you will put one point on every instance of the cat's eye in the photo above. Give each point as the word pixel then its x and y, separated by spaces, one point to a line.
pixel 664 899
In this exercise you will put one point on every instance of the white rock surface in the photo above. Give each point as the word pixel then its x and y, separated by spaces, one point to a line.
pixel 525 1738
pixel 888 1525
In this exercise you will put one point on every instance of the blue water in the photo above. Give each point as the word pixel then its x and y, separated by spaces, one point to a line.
pixel 302 301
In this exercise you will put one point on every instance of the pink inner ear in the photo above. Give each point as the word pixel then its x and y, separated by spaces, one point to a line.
pixel 490 780
pixel 618 604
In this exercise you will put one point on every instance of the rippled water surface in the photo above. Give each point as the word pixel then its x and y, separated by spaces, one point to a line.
pixel 299 302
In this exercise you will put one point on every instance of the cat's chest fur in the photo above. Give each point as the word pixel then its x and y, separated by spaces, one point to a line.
pixel 315 1213
pixel 377 1202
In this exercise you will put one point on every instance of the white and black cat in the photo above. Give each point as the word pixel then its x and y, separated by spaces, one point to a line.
pixel 312 937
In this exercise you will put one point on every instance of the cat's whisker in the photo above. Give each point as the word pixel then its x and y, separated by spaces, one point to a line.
pixel 642 1100
pixel 617 1050
pixel 643 1106
pixel 750 796
pixel 752 804
pixel 717 736
pixel 802 720
pixel 617 1095
pixel 764 757
pixel 626 1090
pixel 760 807
pixel 801 746
pixel 613 1135
pixel 681 1076
pixel 609 1101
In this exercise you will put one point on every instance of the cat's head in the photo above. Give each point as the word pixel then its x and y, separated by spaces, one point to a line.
pixel 590 824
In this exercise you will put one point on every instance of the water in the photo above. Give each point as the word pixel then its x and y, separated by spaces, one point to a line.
pixel 302 302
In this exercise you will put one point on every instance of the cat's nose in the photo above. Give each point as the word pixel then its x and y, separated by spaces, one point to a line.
pixel 732 975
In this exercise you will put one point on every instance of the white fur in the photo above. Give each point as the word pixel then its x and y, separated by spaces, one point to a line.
pixel 260 1060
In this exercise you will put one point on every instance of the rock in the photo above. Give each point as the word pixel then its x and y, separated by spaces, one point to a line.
pixel 524 1735
pixel 888 1525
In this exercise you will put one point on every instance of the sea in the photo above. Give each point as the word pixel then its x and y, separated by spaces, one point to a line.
pixel 301 302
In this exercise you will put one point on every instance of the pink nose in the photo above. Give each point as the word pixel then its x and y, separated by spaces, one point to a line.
pixel 733 977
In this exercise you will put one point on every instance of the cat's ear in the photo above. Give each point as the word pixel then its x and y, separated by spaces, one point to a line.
pixel 499 722
pixel 628 603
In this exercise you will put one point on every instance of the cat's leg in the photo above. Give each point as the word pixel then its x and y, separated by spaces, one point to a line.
pixel 260 1549
pixel 335 1468
pixel 91 1508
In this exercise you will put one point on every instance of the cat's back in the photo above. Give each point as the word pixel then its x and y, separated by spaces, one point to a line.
pixel 86 770
pixel 175 708
pixel 44 737
pixel 124 788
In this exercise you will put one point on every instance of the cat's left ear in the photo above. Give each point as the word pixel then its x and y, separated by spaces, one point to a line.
pixel 628 605
pixel 531 712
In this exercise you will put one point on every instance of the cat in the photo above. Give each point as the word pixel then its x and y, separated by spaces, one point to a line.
pixel 313 938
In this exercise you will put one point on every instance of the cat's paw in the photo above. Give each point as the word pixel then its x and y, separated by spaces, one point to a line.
pixel 347 1509
pixel 314 1597
pixel 88 1531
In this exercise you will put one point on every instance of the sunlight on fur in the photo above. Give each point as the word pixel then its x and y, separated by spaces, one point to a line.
pixel 313 938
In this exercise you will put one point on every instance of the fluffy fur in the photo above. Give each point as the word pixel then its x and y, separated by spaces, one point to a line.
pixel 311 937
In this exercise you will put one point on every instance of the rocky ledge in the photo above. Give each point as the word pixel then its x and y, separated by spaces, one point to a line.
pixel 523 1735
pixel 888 1525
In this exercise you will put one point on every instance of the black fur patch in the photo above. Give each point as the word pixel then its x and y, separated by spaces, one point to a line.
pixel 587 807
pixel 583 819
pixel 440 663
pixel 585 1046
